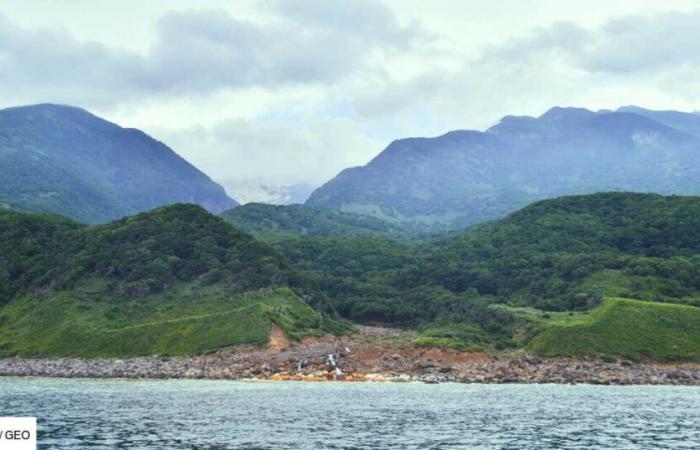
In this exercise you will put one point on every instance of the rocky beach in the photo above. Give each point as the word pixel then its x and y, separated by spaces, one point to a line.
pixel 373 354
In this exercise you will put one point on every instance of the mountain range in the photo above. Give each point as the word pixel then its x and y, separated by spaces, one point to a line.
pixel 65 160
pixel 466 177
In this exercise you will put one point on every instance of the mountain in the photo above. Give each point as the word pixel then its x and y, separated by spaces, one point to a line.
pixel 175 280
pixel 64 160
pixel 272 221
pixel 468 177
pixel 551 265
pixel 683 121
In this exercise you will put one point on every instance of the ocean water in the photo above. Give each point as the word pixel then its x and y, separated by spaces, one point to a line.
pixel 199 414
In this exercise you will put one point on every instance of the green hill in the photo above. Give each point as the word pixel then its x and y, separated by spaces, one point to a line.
pixel 274 221
pixel 568 253
pixel 624 328
pixel 187 319
pixel 175 280
pixel 137 255
pixel 557 255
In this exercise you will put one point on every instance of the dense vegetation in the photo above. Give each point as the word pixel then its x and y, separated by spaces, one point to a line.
pixel 556 255
pixel 272 221
pixel 468 177
pixel 64 160
pixel 137 255
pixel 567 253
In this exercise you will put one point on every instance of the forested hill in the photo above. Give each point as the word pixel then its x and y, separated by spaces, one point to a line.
pixel 134 256
pixel 64 160
pixel 468 177
pixel 150 276
pixel 566 253
pixel 561 254
pixel 172 281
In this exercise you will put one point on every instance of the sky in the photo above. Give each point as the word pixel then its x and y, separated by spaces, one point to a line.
pixel 294 91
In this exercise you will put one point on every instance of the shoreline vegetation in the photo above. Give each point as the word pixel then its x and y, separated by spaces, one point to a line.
pixel 374 354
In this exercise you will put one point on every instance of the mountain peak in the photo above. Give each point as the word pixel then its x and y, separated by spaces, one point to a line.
pixel 566 114
pixel 686 122
pixel 49 108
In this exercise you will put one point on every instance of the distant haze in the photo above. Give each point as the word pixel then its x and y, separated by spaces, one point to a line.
pixel 290 92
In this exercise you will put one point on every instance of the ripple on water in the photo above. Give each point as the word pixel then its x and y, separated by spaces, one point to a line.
pixel 286 415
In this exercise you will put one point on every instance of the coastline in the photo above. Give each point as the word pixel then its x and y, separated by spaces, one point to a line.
pixel 374 354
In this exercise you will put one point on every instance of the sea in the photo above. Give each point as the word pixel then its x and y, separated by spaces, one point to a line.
pixel 208 414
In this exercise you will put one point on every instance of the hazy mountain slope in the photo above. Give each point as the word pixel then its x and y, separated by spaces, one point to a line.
pixel 64 160
pixel 466 177
pixel 257 190
pixel 682 121
pixel 298 220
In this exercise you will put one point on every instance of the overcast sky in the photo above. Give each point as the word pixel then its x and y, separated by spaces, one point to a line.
pixel 291 91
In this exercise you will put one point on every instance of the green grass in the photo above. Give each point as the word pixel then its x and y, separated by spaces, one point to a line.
pixel 188 319
pixel 616 283
pixel 460 336
pixel 623 328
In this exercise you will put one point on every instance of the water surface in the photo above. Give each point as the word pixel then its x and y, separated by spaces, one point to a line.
pixel 96 414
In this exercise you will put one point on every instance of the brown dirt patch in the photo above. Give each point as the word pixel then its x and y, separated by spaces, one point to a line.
pixel 278 340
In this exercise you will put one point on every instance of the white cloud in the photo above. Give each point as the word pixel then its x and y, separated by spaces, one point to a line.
pixel 202 52
pixel 625 44
pixel 241 149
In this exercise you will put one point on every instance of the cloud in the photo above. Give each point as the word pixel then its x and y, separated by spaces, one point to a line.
pixel 637 43
pixel 286 153
pixel 50 63
pixel 623 45
pixel 199 52
pixel 363 21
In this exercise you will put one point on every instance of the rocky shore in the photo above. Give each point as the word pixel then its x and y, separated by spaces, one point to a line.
pixel 372 355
